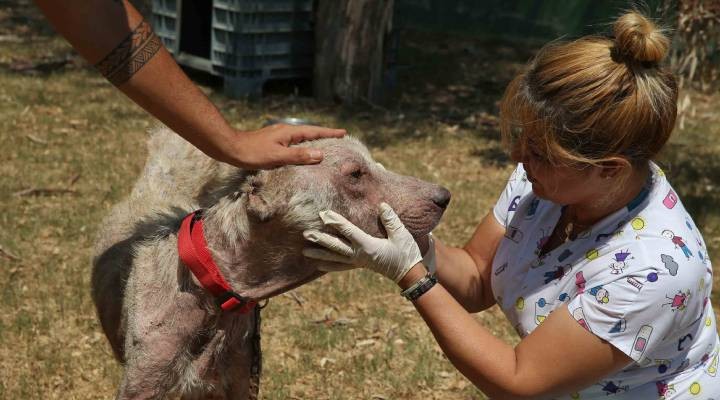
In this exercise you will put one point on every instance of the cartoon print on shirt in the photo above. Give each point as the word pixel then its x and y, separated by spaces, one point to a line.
pixel 514 204
pixel 712 366
pixel 542 310
pixel 695 389
pixel 592 254
pixel 663 365
pixel 682 340
pixel 679 301
pixel 557 273
pixel 601 294
pixel 564 255
pixel 638 224
pixel 669 263
pixel 618 265
pixel 610 387
pixel 702 251
pixel 640 343
pixel 619 326
pixel 500 269
pixel 678 242
pixel 664 390
pixel 579 316
pixel 532 208
pixel 514 234
pixel 670 199
pixel 651 277
pixel 580 282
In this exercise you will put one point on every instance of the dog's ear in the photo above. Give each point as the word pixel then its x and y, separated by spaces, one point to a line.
pixel 259 202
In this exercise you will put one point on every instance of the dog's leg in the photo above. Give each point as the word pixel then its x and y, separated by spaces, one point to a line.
pixel 160 340
pixel 151 371
pixel 238 359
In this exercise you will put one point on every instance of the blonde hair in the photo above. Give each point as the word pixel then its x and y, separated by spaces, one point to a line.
pixel 594 98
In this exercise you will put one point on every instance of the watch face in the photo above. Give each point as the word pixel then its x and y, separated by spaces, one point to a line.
pixel 425 284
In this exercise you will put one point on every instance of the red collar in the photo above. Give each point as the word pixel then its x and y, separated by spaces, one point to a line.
pixel 194 253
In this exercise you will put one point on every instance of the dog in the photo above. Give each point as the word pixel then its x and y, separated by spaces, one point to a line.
pixel 162 324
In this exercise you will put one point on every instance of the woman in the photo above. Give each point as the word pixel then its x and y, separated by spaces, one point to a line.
pixel 589 252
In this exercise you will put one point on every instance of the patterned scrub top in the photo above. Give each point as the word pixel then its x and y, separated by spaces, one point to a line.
pixel 639 279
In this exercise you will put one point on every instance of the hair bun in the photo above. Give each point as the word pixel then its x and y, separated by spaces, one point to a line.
pixel 638 38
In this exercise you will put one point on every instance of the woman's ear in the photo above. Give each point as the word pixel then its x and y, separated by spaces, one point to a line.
pixel 614 167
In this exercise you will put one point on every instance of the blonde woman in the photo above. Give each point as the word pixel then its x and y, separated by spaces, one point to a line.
pixel 588 251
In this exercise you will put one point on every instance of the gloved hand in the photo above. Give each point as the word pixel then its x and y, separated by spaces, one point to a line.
pixel 429 256
pixel 392 257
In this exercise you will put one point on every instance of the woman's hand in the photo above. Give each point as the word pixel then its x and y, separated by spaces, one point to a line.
pixel 269 147
pixel 392 257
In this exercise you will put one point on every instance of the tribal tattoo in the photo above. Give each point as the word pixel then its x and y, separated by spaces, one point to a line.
pixel 130 55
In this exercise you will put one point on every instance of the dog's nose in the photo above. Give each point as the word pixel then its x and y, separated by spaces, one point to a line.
pixel 441 198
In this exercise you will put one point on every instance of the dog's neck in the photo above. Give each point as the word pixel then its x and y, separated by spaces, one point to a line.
pixel 258 259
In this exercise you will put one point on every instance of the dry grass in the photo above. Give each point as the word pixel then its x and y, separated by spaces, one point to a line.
pixel 351 336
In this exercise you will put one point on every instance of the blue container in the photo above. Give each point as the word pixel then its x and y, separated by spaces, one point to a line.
pixel 245 42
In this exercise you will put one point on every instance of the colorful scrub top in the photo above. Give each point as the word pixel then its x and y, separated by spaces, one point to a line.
pixel 639 279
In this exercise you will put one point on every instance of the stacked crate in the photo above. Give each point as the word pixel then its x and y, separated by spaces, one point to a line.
pixel 245 42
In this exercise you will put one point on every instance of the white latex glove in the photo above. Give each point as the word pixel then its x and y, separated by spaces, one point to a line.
pixel 392 257
pixel 429 256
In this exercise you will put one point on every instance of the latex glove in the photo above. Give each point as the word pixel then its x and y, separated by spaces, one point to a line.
pixel 392 257
pixel 429 256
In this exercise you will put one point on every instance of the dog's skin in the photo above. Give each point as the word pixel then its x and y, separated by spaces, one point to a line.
pixel 160 323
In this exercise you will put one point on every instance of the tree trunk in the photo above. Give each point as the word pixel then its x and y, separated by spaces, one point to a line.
pixel 350 49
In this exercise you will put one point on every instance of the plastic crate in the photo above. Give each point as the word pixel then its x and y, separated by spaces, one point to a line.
pixel 165 22
pixel 245 42
pixel 256 41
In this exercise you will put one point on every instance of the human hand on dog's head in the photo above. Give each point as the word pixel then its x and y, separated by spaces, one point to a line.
pixel 392 257
pixel 270 146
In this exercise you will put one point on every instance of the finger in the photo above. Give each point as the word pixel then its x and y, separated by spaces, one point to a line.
pixel 335 267
pixel 299 155
pixel 344 227
pixel 390 220
pixel 302 133
pixel 324 255
pixel 330 242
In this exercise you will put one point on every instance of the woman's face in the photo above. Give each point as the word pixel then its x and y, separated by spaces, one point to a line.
pixel 563 185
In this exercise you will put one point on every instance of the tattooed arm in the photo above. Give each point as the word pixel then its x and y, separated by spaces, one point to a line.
pixel 113 36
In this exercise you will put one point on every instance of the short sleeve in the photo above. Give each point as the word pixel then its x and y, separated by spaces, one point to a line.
pixel 510 195
pixel 639 312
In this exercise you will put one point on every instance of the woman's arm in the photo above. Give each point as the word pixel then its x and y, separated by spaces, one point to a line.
pixel 113 36
pixel 558 357
pixel 465 272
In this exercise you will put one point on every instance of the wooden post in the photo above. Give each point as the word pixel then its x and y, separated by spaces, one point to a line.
pixel 350 49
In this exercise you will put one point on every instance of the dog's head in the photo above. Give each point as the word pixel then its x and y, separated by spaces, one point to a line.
pixel 281 203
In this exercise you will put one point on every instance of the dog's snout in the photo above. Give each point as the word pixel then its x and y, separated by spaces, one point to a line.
pixel 441 198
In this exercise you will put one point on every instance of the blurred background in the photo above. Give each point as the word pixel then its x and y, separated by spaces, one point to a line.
pixel 423 92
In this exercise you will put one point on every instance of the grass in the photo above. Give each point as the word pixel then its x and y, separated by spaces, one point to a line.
pixel 351 336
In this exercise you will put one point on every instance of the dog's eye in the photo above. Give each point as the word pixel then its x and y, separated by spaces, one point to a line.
pixel 356 174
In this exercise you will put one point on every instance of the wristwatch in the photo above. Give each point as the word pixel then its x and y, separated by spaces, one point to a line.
pixel 420 287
